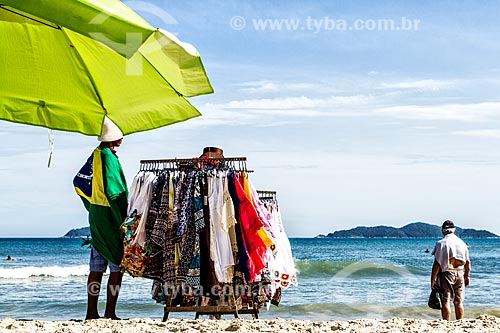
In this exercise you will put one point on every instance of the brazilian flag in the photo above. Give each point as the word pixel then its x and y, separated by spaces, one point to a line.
pixel 102 186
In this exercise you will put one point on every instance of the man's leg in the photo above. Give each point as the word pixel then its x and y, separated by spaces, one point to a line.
pixel 459 309
pixel 446 310
pixel 114 283
pixel 459 296
pixel 445 280
pixel 93 289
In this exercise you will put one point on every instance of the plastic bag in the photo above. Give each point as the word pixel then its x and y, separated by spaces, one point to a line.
pixel 435 298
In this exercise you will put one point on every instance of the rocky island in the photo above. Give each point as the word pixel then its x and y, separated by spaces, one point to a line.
pixel 412 230
pixel 78 233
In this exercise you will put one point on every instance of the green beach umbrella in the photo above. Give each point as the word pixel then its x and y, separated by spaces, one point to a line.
pixel 65 64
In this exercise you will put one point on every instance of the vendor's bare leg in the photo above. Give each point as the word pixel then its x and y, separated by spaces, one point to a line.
pixel 93 289
pixel 114 284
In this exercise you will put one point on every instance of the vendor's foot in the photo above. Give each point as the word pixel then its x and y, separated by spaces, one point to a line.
pixel 113 318
pixel 90 317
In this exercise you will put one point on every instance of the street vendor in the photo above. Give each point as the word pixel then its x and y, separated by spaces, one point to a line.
pixel 102 186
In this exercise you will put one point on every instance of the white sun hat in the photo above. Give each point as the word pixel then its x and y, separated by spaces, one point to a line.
pixel 110 132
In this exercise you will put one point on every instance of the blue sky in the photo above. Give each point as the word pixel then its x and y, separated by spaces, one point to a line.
pixel 350 127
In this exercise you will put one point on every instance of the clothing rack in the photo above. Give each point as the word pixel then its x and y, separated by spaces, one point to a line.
pixel 231 306
pixel 233 163
pixel 266 195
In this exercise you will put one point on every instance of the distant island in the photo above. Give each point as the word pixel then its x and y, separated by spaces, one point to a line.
pixel 412 230
pixel 78 233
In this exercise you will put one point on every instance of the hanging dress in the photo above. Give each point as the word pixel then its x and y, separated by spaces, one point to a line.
pixel 220 243
pixel 136 250
pixel 251 227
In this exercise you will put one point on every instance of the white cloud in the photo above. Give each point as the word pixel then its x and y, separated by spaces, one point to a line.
pixel 279 111
pixel 421 85
pixel 481 133
pixel 475 112
pixel 260 87
pixel 307 113
pixel 215 116
pixel 301 102
pixel 267 86
pixel 424 128
pixel 341 85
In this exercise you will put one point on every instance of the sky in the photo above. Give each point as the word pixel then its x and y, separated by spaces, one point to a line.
pixel 352 122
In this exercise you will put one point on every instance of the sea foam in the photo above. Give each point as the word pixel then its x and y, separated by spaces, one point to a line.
pixel 48 271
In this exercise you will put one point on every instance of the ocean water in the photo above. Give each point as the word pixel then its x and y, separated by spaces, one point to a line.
pixel 339 279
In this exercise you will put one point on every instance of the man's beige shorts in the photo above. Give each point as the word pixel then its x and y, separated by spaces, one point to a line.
pixel 453 285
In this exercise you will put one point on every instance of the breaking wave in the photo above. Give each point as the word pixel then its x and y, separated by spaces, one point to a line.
pixel 48 271
pixel 351 269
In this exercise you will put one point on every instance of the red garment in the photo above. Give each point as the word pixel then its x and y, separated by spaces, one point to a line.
pixel 250 224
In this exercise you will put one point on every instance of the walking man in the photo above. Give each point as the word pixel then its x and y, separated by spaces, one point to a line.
pixel 451 270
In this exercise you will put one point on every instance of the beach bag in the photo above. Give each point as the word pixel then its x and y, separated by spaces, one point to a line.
pixel 435 298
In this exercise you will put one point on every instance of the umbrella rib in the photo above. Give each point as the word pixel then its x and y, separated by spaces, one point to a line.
pixel 29 17
pixel 86 70
pixel 164 78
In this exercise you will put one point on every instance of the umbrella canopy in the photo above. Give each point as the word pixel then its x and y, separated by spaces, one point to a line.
pixel 61 72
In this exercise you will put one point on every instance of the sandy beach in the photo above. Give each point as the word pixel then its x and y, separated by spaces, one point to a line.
pixel 480 324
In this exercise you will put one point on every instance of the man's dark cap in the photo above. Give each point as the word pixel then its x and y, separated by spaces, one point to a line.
pixel 448 225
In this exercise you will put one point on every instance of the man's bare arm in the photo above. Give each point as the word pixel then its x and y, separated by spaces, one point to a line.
pixel 435 271
pixel 467 273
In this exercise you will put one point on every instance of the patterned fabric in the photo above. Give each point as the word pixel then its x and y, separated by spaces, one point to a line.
pixel 186 221
pixel 281 263
pixel 137 249
pixel 167 213
pixel 156 231
pixel 135 256
pixel 188 248
pixel 193 274
pixel 198 204
pixel 186 208
pixel 276 297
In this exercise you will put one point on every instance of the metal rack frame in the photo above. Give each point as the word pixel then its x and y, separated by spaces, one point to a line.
pixel 172 164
